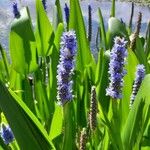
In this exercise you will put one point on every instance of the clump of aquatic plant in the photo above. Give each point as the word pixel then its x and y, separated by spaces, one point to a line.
pixel 52 64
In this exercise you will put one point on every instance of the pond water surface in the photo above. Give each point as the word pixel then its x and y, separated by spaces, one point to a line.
pixel 123 10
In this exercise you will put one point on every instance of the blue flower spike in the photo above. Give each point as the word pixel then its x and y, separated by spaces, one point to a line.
pixel 116 68
pixel 44 4
pixel 15 10
pixel 66 66
pixel 6 134
pixel 139 76
pixel 67 12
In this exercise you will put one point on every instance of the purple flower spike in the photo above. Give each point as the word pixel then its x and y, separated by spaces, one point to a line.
pixel 116 68
pixel 65 67
pixel 15 10
pixel 139 76
pixel 6 134
pixel 67 12
pixel 44 4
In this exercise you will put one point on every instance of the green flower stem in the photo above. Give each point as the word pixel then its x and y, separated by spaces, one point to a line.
pixel 5 61
pixel 116 122
pixel 14 146
pixel 69 134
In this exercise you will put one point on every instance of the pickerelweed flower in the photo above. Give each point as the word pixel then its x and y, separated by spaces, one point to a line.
pixel 67 12
pixel 6 134
pixel 44 4
pixel 65 67
pixel 116 68
pixel 15 10
pixel 139 76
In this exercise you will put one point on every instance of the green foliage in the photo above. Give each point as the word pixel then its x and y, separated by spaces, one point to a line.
pixel 22 44
pixel 102 31
pixel 44 30
pixel 138 118
pixel 24 124
pixel 28 85
pixel 77 23
pixel 115 28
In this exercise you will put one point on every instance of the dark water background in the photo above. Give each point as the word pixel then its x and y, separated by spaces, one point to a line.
pixel 123 10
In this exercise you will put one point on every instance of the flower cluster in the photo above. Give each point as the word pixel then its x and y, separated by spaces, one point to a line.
pixel 67 12
pixel 15 10
pixel 139 76
pixel 116 68
pixel 65 67
pixel 6 134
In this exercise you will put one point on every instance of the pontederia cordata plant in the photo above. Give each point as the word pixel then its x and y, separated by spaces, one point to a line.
pixel 56 95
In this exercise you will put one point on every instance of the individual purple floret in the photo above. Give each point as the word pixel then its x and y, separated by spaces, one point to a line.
pixel 67 12
pixel 6 134
pixel 65 67
pixel 44 4
pixel 139 76
pixel 15 10
pixel 116 68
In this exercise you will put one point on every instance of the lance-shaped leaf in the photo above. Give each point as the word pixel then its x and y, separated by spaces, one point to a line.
pixel 44 30
pixel 77 23
pixel 22 44
pixel 115 28
pixel 28 131
pixel 138 117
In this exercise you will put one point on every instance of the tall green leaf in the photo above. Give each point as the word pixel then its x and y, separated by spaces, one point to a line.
pixel 56 126
pixel 59 11
pixel 128 82
pixel 5 61
pixel 28 132
pixel 44 30
pixel 54 62
pixel 138 117
pixel 147 41
pixel 41 97
pixel 102 30
pixel 77 23
pixel 140 54
pixel 22 44
pixel 113 9
pixel 115 28
pixel 102 78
